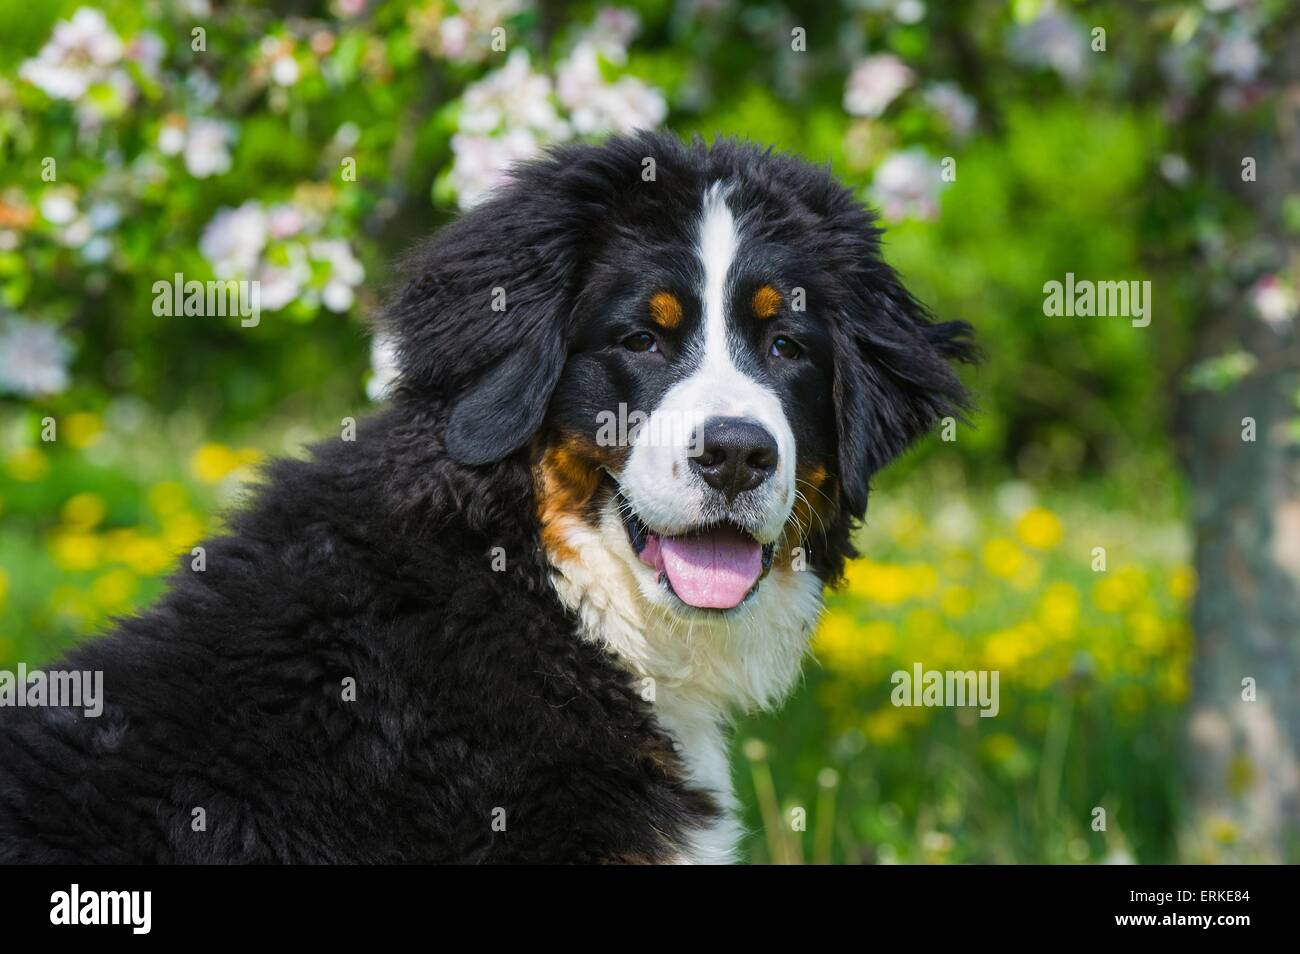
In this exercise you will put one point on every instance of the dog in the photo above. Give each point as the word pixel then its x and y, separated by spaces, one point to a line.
pixel 642 391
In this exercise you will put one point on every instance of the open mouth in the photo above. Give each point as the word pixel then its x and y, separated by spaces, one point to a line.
pixel 714 567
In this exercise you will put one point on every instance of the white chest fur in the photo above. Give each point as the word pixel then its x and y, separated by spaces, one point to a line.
pixel 698 672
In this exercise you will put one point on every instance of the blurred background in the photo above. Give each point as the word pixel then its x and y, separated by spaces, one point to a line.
pixel 1117 533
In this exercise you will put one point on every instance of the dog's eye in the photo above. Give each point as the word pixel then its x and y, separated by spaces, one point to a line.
pixel 641 341
pixel 783 347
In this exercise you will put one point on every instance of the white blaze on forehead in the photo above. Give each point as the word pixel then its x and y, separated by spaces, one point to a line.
pixel 718 243
pixel 658 479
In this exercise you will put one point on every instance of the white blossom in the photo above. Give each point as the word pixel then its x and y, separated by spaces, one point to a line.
pixel 481 163
pixel 171 139
pixel 77 233
pixel 97 250
pixel 1054 40
pixel 79 54
pixel 467 34
pixel 512 97
pixel 104 215
pixel 280 284
pixel 907 185
pixel 597 107
pixel 33 358
pixel 1236 55
pixel 284 70
pixel 453 37
pixel 284 220
pixel 612 32
pixel 514 112
pixel 147 49
pixel 875 83
pixel 1175 169
pixel 1274 301
pixel 206 152
pixel 279 53
pixel 909 11
pixel 957 109
pixel 234 239
pixel 345 272
pixel 59 206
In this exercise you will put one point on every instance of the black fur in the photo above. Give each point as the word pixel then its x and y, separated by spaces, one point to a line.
pixel 371 561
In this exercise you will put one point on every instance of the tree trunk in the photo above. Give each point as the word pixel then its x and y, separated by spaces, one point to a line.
pixel 1245 745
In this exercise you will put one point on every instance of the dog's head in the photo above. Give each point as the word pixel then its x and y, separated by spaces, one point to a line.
pixel 699 348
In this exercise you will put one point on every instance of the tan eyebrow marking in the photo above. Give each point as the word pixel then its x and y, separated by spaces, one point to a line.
pixel 767 301
pixel 665 309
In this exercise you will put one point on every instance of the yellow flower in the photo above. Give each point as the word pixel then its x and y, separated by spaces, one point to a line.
pixel 1003 558
pixel 4 585
pixel 167 497
pixel 922 624
pixel 1223 830
pixel 1008 648
pixel 924 580
pixel 877 637
pixel 74 550
pixel 84 511
pixel 147 555
pixel 1182 584
pixel 213 463
pixel 1172 682
pixel 1030 575
pixel 83 429
pixel 1058 609
pixel 182 530
pixel 1147 631
pixel 27 464
pixel 1119 590
pixel 119 539
pixel 957 601
pixel 883 726
pixel 1039 528
pixel 885 583
pixel 113 590
pixel 848 647
pixel 947 649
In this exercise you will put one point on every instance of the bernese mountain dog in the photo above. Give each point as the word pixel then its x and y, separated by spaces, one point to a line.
pixel 642 391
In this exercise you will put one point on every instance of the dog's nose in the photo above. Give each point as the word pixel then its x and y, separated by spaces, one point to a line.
pixel 735 455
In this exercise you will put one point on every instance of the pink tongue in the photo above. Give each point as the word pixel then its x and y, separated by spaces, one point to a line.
pixel 713 570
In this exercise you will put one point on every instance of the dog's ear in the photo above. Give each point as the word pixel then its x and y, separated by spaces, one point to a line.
pixel 893 379
pixel 483 323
